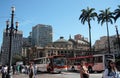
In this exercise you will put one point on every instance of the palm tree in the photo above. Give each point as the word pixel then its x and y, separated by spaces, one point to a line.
pixel 117 13
pixel 86 16
pixel 106 16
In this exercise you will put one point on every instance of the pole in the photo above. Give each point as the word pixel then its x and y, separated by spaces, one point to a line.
pixel 9 75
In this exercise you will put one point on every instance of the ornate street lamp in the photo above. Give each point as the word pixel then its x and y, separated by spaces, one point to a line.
pixel 10 31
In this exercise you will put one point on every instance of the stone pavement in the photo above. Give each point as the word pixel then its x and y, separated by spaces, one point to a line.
pixel 21 76
pixel 18 76
pixel 38 76
pixel 62 75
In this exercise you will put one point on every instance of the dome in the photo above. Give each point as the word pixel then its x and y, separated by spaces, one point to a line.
pixel 61 40
pixel 69 42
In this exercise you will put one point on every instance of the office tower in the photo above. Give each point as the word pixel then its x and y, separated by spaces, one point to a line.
pixel 41 35
pixel 16 46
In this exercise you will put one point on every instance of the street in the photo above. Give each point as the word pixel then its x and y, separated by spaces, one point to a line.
pixel 62 75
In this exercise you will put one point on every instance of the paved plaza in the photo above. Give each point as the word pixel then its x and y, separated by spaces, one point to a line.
pixel 26 76
pixel 18 76
pixel 62 75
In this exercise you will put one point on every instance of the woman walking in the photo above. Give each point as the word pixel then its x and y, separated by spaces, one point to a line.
pixel 31 71
pixel 83 70
pixel 111 70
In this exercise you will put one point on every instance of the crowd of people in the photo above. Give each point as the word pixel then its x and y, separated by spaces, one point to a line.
pixel 31 70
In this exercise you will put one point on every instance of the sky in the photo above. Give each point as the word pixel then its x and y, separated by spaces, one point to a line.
pixel 62 15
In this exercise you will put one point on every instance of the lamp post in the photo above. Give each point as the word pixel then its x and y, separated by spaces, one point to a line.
pixel 10 31
pixel 118 39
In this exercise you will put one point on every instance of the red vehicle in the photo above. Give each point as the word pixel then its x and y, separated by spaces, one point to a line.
pixel 96 62
pixel 56 63
pixel 75 63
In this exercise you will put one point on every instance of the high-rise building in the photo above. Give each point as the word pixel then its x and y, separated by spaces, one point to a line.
pixel 41 35
pixel 102 44
pixel 16 47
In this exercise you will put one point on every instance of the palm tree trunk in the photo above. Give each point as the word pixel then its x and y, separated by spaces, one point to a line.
pixel 118 39
pixel 108 38
pixel 89 36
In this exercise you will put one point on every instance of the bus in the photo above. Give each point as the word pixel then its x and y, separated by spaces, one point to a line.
pixel 94 63
pixel 51 64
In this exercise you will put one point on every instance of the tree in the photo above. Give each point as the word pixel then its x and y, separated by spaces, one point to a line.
pixel 117 13
pixel 106 16
pixel 86 16
pixel 17 58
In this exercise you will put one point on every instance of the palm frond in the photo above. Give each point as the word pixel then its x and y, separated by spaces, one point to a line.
pixel 117 12
pixel 87 15
pixel 105 16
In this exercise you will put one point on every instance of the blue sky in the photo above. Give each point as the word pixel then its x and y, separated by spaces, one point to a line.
pixel 63 15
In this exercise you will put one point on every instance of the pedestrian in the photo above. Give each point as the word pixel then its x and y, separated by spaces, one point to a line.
pixel 35 70
pixel 14 69
pixel 50 67
pixel 83 70
pixel 4 71
pixel 31 71
pixel 111 70
pixel 26 69
pixel 18 69
pixel 118 69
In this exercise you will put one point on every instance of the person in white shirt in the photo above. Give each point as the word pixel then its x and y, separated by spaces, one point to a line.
pixel 118 68
pixel 4 71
